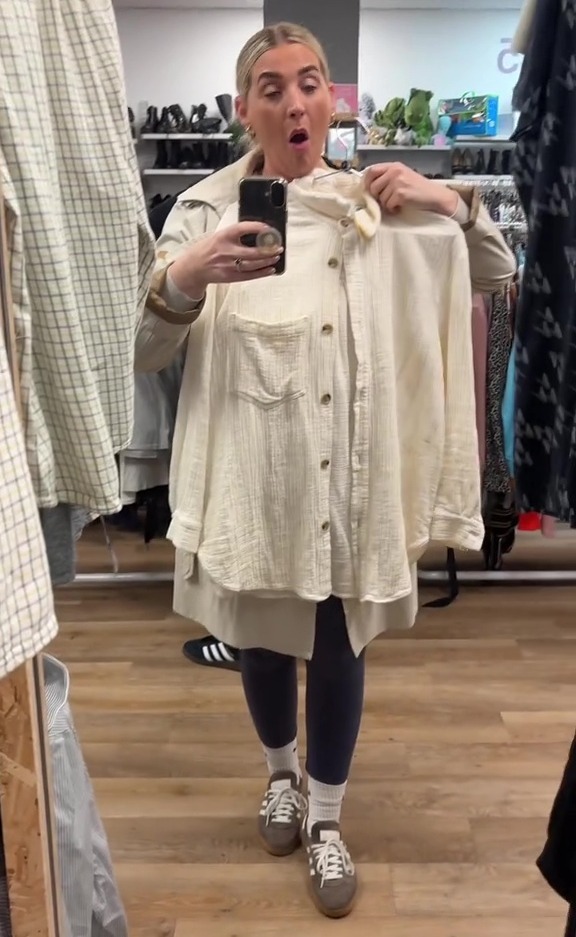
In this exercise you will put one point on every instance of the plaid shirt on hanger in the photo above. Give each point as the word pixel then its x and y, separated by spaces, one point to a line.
pixel 81 248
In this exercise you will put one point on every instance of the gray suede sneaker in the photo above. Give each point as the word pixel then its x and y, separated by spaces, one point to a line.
pixel 281 814
pixel 332 880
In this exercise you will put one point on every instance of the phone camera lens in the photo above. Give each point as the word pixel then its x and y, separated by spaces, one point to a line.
pixel 277 195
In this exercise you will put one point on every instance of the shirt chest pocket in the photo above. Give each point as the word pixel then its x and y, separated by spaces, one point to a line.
pixel 268 361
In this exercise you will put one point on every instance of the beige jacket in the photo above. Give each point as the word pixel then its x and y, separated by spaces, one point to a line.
pixel 259 368
pixel 197 212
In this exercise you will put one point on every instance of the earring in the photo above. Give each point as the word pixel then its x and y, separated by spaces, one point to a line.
pixel 249 131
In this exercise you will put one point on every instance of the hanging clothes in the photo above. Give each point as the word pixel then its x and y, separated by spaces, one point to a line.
pixel 27 619
pixel 145 463
pixel 545 173
pixel 496 472
pixel 90 896
pixel 480 324
pixel 80 246
pixel 509 412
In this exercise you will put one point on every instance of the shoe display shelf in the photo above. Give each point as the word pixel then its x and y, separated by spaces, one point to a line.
pixel 429 160
pixel 174 151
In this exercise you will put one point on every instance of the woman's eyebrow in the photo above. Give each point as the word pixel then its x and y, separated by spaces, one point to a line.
pixel 276 76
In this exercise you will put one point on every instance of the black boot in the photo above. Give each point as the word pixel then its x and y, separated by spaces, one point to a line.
pixel 186 158
pixel 151 123
pixel 131 119
pixel 161 155
pixel 506 162
pixel 225 106
pixel 207 124
pixel 468 161
pixel 223 151
pixel 480 164
pixel 165 123
pixel 174 154
pixel 494 163
pixel 457 161
pixel 179 119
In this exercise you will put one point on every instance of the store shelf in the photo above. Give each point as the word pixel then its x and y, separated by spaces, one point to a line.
pixel 177 172
pixel 470 177
pixel 484 141
pixel 381 148
pixel 186 136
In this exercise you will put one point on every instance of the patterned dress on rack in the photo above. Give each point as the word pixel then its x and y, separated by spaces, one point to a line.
pixel 545 173
pixel 496 472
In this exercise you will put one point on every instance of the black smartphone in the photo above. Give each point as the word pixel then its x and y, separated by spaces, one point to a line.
pixel 264 200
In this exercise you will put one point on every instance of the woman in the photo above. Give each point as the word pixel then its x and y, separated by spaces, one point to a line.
pixel 311 422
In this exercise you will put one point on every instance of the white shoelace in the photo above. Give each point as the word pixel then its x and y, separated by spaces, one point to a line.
pixel 283 804
pixel 332 860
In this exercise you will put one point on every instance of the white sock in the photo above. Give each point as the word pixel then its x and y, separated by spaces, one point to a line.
pixel 284 759
pixel 324 802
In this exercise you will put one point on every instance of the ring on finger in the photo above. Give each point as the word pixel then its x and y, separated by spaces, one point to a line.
pixel 238 263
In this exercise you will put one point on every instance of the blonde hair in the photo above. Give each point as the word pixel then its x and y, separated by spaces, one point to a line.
pixel 270 38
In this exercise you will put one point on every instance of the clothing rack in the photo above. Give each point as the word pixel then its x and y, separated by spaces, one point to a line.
pixel 27 826
pixel 484 577
pixel 486 182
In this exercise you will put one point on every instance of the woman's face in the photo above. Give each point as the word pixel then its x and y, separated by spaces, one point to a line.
pixel 288 107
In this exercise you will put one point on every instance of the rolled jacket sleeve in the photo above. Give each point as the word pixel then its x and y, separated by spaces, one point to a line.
pixel 492 263
pixel 168 315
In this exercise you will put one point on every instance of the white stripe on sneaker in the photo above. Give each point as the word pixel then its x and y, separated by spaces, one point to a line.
pixel 226 654
pixel 217 653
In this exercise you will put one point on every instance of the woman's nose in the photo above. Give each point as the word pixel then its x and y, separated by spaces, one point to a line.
pixel 296 106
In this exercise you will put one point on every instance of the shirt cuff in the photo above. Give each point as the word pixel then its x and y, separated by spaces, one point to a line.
pixel 176 299
pixel 462 214
pixel 167 302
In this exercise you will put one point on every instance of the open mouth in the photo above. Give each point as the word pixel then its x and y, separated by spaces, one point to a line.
pixel 299 138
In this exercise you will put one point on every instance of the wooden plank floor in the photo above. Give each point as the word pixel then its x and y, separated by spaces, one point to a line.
pixel 467 725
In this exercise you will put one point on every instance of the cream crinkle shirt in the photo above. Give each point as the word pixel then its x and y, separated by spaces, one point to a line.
pixel 358 466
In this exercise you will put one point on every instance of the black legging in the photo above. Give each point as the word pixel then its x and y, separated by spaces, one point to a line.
pixel 334 696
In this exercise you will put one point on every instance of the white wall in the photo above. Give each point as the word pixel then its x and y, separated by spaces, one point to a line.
pixel 182 56
pixel 188 56
pixel 445 51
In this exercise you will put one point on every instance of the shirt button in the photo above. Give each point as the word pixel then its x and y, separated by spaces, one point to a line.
pixel 325 463
pixel 326 398
pixel 345 222
pixel 326 526
pixel 327 329
pixel 333 262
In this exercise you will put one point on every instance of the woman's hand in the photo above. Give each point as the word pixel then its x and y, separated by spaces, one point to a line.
pixel 222 258
pixel 395 186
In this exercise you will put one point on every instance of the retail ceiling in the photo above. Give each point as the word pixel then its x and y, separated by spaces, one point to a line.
pixel 366 4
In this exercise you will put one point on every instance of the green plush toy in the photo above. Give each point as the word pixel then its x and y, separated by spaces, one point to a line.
pixel 417 116
pixel 391 119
